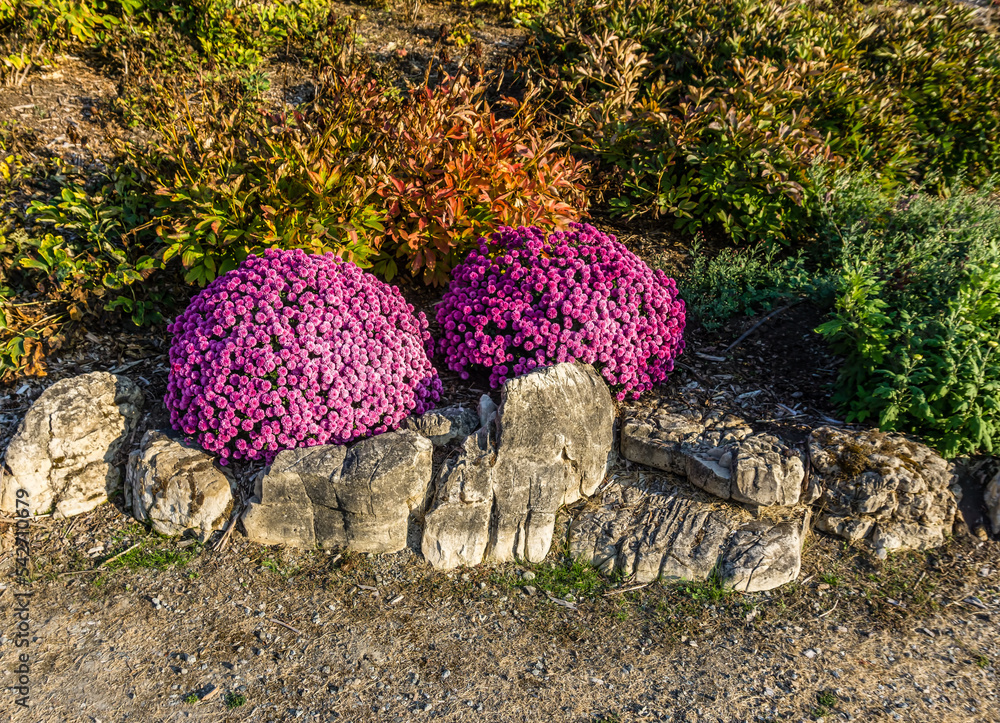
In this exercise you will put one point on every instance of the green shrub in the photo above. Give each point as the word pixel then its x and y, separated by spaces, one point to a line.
pixel 520 11
pixel 230 181
pixel 230 33
pixel 917 316
pixel 369 174
pixel 101 246
pixel 179 33
pixel 715 112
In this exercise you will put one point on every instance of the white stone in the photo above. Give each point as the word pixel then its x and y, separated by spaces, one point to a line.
pixel 63 455
pixel 360 498
pixel 176 487
pixel 549 444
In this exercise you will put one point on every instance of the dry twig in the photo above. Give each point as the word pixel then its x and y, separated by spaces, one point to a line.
pixel 285 625
pixel 760 323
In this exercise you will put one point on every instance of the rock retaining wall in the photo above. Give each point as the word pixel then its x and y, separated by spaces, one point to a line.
pixel 720 499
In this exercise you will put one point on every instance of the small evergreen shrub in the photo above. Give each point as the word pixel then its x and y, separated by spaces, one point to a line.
pixel 742 282
pixel 522 301
pixel 455 172
pixel 227 34
pixel 292 350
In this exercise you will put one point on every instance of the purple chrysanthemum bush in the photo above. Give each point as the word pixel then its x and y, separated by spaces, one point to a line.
pixel 293 350
pixel 523 301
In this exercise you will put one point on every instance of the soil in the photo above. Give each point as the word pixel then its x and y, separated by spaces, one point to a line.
pixel 315 636
pixel 267 634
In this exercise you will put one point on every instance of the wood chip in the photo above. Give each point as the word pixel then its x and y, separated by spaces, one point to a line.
pixel 619 591
pixel 564 603
pixel 115 557
pixel 709 357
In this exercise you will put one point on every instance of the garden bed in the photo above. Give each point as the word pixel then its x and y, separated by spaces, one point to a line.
pixel 264 633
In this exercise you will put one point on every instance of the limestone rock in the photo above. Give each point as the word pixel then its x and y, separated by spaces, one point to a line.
pixel 63 452
pixel 658 439
pixel 633 531
pixel 487 410
pixel 992 499
pixel 456 530
pixel 177 487
pixel 761 556
pixel 442 426
pixel 549 444
pixel 883 487
pixel 555 433
pixel 757 470
pixel 717 452
pixel 678 534
pixel 360 498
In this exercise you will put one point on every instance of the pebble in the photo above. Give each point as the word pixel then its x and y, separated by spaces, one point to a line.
pixel 529 589
pixel 810 653
pixel 528 576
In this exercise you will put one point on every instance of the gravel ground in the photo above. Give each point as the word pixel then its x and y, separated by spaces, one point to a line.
pixel 313 636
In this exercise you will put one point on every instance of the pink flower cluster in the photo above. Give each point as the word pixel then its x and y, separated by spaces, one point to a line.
pixel 293 350
pixel 523 301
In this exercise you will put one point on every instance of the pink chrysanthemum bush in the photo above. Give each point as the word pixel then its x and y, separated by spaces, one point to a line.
pixel 523 300
pixel 293 350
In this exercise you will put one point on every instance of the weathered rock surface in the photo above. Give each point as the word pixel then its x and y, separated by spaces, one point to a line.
pixel 718 453
pixel 761 556
pixel 487 410
pixel 456 531
pixel 549 444
pixel 63 452
pixel 895 492
pixel 992 499
pixel 555 435
pixel 757 470
pixel 360 497
pixel 176 487
pixel 659 439
pixel 445 425
pixel 677 533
